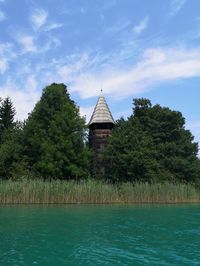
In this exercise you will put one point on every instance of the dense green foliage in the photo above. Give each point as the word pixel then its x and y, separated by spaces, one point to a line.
pixel 7 113
pixel 9 136
pixel 51 142
pixel 151 145
pixel 11 154
pixel 54 136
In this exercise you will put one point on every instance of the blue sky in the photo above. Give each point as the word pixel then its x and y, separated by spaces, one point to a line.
pixel 130 48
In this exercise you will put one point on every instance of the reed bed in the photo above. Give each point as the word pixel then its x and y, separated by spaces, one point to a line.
pixel 94 191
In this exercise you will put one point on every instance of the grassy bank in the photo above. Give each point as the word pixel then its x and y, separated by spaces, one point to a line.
pixel 90 191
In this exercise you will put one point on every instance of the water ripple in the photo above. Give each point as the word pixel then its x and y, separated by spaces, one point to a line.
pixel 100 235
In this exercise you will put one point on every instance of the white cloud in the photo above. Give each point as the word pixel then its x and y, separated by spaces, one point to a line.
pixel 24 100
pixel 141 26
pixel 175 6
pixel 6 55
pixel 53 26
pixel 2 16
pixel 86 112
pixel 31 82
pixel 68 70
pixel 33 44
pixel 39 18
pixel 51 43
pixel 39 21
pixel 27 42
pixel 155 66
pixel 85 74
pixel 64 72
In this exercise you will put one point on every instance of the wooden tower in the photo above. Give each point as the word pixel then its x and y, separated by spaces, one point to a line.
pixel 100 127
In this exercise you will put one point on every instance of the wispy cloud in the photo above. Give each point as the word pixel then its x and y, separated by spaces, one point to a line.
pixel 86 112
pixel 24 100
pixel 155 66
pixel 67 72
pixel 27 42
pixel 33 43
pixel 53 26
pixel 85 73
pixel 39 18
pixel 120 26
pixel 2 16
pixel 6 55
pixel 51 43
pixel 141 26
pixel 176 5
pixel 39 21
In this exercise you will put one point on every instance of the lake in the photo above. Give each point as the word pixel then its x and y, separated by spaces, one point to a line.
pixel 99 235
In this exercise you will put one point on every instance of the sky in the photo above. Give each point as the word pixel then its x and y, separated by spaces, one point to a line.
pixel 128 48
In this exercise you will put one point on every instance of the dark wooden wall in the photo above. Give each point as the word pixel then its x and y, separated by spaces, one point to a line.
pixel 98 136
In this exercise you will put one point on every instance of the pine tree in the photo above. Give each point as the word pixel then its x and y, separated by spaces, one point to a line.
pixel 10 145
pixel 7 114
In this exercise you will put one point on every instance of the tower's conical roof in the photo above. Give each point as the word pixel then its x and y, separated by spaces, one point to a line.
pixel 101 112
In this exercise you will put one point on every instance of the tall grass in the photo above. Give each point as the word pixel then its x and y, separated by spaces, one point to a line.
pixel 91 191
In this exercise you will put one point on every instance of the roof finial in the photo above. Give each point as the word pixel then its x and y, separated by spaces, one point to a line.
pixel 101 89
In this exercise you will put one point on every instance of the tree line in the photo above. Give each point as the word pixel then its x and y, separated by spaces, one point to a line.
pixel 150 145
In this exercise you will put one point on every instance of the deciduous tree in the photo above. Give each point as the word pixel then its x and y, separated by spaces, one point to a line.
pixel 54 136
pixel 152 144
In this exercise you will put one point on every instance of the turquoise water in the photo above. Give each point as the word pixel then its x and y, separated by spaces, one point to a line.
pixel 100 235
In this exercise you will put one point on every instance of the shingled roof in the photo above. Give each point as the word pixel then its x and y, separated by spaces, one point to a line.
pixel 101 112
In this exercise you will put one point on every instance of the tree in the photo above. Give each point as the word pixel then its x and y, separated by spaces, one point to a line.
pixel 9 139
pixel 11 154
pixel 53 136
pixel 130 154
pixel 152 144
pixel 7 114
